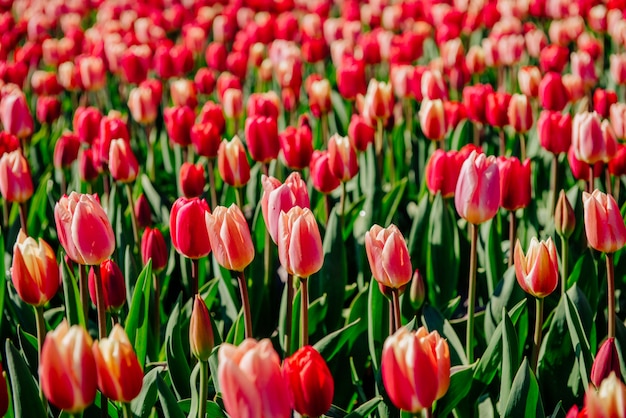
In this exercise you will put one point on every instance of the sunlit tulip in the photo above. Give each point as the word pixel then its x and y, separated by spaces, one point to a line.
pixel 279 198
pixel 299 242
pixel 232 162
pixel 262 138
pixel 388 256
pixel 528 79
pixel 178 123
pixel 477 195
pixel 123 164
pixel 192 179
pixel 588 141
pixel 520 113
pixel 16 184
pixel 143 105
pixel 604 224
pixel 342 157
pixel 515 179
pixel 187 227
pixel 86 123
pixel 230 237
pixel 433 119
pixel 15 115
pixel 296 144
pixel 323 178
pixel 537 272
pixel 552 92
pixel 555 131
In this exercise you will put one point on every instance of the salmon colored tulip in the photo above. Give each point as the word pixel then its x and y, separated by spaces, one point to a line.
pixel 201 340
pixel 35 272
pixel 342 157
pixel 433 119
pixel 143 104
pixel 232 162
pixel 608 401
pixel 230 237
pixel 588 140
pixel 279 198
pixel 16 184
pixel 477 195
pixel 388 256
pixel 188 229
pixel 119 374
pixel 123 164
pixel 299 242
pixel 67 371
pixel 520 113
pixel 415 368
pixel 537 272
pixel 604 224
pixel 15 115
pixel 84 229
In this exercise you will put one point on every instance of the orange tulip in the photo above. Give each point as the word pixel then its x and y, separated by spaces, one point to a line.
pixel 538 271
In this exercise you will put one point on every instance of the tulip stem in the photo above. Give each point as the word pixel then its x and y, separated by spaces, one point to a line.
pixel 211 170
pixel 24 217
pixel 538 333
pixel 126 411
pixel 502 142
pixel 102 328
pixel 5 213
pixel 378 147
pixel 343 204
pixel 239 197
pixel 554 182
pixel 41 336
pixel 590 185
pixel 610 280
pixel 82 284
pixel 609 186
pixel 245 303
pixel 204 388
pixel 304 313
pixel 194 276
pixel 288 320
pixel 522 146
pixel 428 412
pixel 150 156
pixel 471 294
pixel 156 318
pixel 512 235
pixel 133 217
pixel 395 297
pixel 564 264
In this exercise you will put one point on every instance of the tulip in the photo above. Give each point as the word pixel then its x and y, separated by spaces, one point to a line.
pixel 605 363
pixel 496 109
pixel 230 237
pixel 432 119
pixel 603 100
pixel 113 285
pixel 474 99
pixel 201 341
pixel 555 131
pixel 378 102
pixel 580 169
pixel 514 183
pixel 417 292
pixel 604 224
pixel 588 141
pixel 296 144
pixel 119 374
pixel 323 178
pixel 564 217
pixel 528 79
pixel 233 103
pixel 183 93
pixel 66 150
pixel 574 87
pixel 583 66
pixel 251 382
pixel 135 63
pixel 319 97
pixel 360 132
pixel 16 184
pixel 264 104
pixel 178 122
pixel 34 272
pixel 86 123
pixel 310 383
pixel 520 113
pixel 617 68
pixel 454 113
pixel 415 368
pixel 553 58
pixel 8 142
pixel 122 162
pixel 608 401
pixel 617 116
pixel 262 138
pixel 192 179
pixel 142 210
pixel 442 172
pixel 206 139
pixel 187 227
pixel 153 248
pixel 433 87
pixel 92 72
pixel 87 165
pixel 48 109
pixel 342 158
pixel 15 115
pixel 143 104
pixel 111 127
pixel 552 92
pixel 205 80
pixel 44 83
pixel 84 229
pixel 279 198
pixel 232 162
pixel 388 256
pixel 477 194
pixel 537 272
pixel 67 370
pixel 351 79
pixel 299 242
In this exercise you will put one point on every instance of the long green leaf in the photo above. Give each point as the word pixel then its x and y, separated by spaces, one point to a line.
pixel 24 391
pixel 176 357
pixel 366 409
pixel 460 384
pixel 525 399
pixel 333 342
pixel 137 322
pixel 73 307
pixel 168 401
pixel 144 402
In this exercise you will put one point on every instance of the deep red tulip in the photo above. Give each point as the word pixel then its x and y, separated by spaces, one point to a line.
pixel 555 131
pixel 552 92
pixel 323 178
pixel 153 248
pixel 187 227
pixel 192 179
pixel 113 285
pixel 66 150
pixel 514 183
pixel 178 122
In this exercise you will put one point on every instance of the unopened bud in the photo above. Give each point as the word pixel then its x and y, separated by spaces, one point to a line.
pixel 417 292
pixel 564 217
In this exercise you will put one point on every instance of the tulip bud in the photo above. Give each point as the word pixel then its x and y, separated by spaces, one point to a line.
pixel 351 79
pixel 378 103
pixel 603 100
pixel 15 115
pixel 264 104
pixel 309 381
pixel 360 132
pixel 617 165
pixel 230 237
pixel 442 172
pixel 605 363
pixel 48 109
pixel 183 93
pixel 496 109
pixel 201 341
pixel 552 92
pixel 119 374
pixel 342 158
pixel 323 178
pixel 233 103
pixel 143 104
pixel 92 72
pixel 87 165
pixel 474 99
pixel 153 248
pixel 604 224
pixel 537 272
pixel 16 184
pixel 113 285
pixel 192 179
pixel 66 150
pixel 514 183
pixel 299 242
pixel 188 238
pixel 477 194
pixel 34 273
pixel 206 139
pixel 528 79
pixel 553 58
pixel 86 123
pixel 142 211
pixel 205 81
pixel 296 144
pixel 583 66
pixel 555 131
pixel 232 162
pixel 122 162
pixel 520 113
pixel 608 400
pixel 319 97
pixel 417 291
pixel 262 138
pixel 587 138
pixel 432 119
pixel 388 256
pixel 178 122
pixel 564 217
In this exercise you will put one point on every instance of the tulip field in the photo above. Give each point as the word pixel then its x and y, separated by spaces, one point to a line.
pixel 312 208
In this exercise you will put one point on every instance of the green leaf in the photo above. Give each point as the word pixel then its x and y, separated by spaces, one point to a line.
pixel 392 200
pixel 144 402
pixel 579 339
pixel 505 296
pixel 176 357
pixel 24 391
pixel 195 392
pixel 493 257
pixel 510 357
pixel 460 384
pixel 330 345
pixel 377 323
pixel 525 399
pixel 73 307
pixel 559 412
pixel 137 322
pixel 168 401
pixel 366 409
pixel 434 321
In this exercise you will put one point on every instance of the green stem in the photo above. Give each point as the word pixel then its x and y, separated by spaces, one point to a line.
pixel 502 142
pixel 204 388
pixel 150 168
pixel 82 284
pixel 24 217
pixel 537 337
pixel 239 197
pixel 471 295
pixel 289 314
pixel 194 276
pixel 610 279
pixel 564 264
pixel 378 147
pixel 133 216
pixel 554 182
pixel 343 203
pixel 245 303
pixel 41 336
pixel 395 297
pixel 304 313
pixel 127 412
pixel 102 328
pixel 512 235
pixel 211 170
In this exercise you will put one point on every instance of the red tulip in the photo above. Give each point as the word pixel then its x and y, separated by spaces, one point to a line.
pixel 323 178
pixel 201 340
pixel 187 227
pixel 603 100
pixel 528 79
pixel 230 237
pixel 553 58
pixel 477 195
pixel 537 272
pixel 87 165
pixel 264 104
pixel 583 66
pixel 496 109
pixel 360 132
pixel 123 164
pixel 232 162
pixel 15 115
pixel 86 123
pixel 299 242
pixel 205 80
pixel 351 78
pixel 16 184
pixel 278 198
pixel 520 113
pixel 66 150
pixel 342 158
pixel 113 285
pixel 111 127
pixel 206 139
pixel 48 109
pixel 135 63
pixel 319 97
pixel 178 122
pixel 388 256
pixel 552 92
pixel 442 172
pixel 604 224
pixel 378 101
pixel 433 119
pixel 617 116
pixel 92 72
pixel 474 99
pixel 617 68
pixel 153 248
pixel 555 131
pixel 183 93
pixel 606 362
pixel 44 83
pixel 309 381
pixel 143 103
pixel 262 138
pixel 296 144
pixel 232 101
pixel 514 183
pixel 192 179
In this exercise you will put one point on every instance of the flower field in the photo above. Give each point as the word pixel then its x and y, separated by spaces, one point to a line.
pixel 288 208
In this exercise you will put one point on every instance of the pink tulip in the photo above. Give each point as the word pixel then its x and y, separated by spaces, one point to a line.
pixel 279 198
pixel 388 256
pixel 604 224
pixel 477 194
pixel 587 139
pixel 16 184
pixel 299 242
pixel 342 157
pixel 230 238
pixel 608 401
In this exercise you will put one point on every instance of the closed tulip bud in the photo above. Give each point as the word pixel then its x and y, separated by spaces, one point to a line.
pixel 201 340
pixel 215 56
pixel 474 99
pixel 351 79
pixel 34 273
pixel 153 248
pixel 224 82
pixel 192 179
pixel 415 368
pixel 520 113
pixel 113 285
pixel 178 122
pixel 324 180
pixel 564 217
pixel 233 103
pixel 583 66
pixel 552 92
pixel 309 381
pixel 230 237
pixel 342 158
pixel 15 115
pixel 84 229
pixel 87 165
pixel 111 127
pixel 67 370
pixel 279 198
pixel 496 109
pixel 417 291
pixel 299 242
pixel 442 172
pixel 553 58
pixel 189 235
pixel 605 363
pixel 477 195
pixel 92 72
pixel 588 140
pixel 205 81
pixel 514 183
pixel 528 79
pixel 143 104
pixel 604 224
pixel 232 162
pixel 608 401
pixel 603 100
pixel 319 97
pixel 262 138
pixel 296 144
pixel 378 104
pixel 142 211
pixel 206 139
pixel 16 184
pixel 48 109
pixel 251 382
pixel 537 272
pixel 555 131
pixel 360 132
pixel 617 116
pixel 119 374
pixel 66 150
pixel 610 141
pixel 388 256
pixel 86 123
pixel 123 164
pixel 617 165
pixel 432 119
